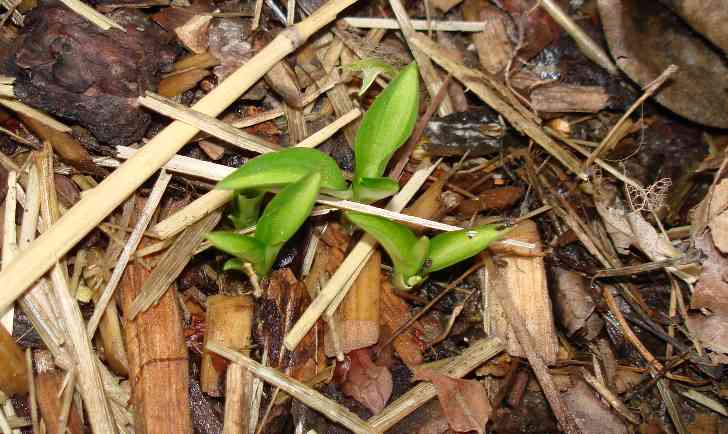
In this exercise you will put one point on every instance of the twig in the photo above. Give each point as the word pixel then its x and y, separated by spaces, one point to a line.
pixel 296 389
pixel 256 14
pixel 29 111
pixel 427 69
pixel 610 397
pixel 31 392
pixel 129 248
pixel 326 132
pixel 92 15
pixel 208 124
pixel 99 202
pixel 171 264
pixel 591 49
pixel 649 90
pixel 392 24
pixel 10 236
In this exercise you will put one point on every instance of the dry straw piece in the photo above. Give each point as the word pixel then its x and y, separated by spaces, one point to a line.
pixel 101 201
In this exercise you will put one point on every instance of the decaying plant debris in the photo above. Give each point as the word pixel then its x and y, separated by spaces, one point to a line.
pixel 583 139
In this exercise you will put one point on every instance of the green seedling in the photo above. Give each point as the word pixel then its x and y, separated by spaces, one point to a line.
pixel 370 70
pixel 284 214
pixel 277 169
pixel 414 258
pixel 384 128
pixel 246 208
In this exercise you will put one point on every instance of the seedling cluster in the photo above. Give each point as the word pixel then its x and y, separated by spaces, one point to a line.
pixel 300 173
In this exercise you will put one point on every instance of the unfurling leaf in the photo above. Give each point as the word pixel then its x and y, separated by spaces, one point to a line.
pixel 370 69
pixel 286 213
pixel 368 383
pixel 280 168
pixel 246 209
pixel 464 402
pixel 403 247
pixel 386 126
pixel 449 248
pixel 243 247
pixel 374 189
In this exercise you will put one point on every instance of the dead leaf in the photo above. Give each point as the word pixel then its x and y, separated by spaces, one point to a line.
pixel 712 330
pixel 591 415
pixel 708 17
pixel 572 302
pixel 704 424
pixel 611 209
pixel 368 383
pixel 193 33
pixel 711 289
pixel 464 402
pixel 645 38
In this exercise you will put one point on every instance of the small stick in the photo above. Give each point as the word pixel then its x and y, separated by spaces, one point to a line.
pixel 291 12
pixel 29 111
pixel 296 389
pixel 129 248
pixel 456 367
pixel 10 237
pixel 315 139
pixel 586 44
pixel 256 14
pixel 427 69
pixel 31 391
pixel 353 263
pixel 208 124
pixel 392 24
pixel 649 90
pixel 257 119
pixel 99 202
pixel 610 397
pixel 92 15
pixel 171 264
pixel 67 400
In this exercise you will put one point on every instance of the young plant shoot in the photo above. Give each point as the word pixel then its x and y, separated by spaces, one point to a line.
pixel 284 214
pixel 384 128
pixel 414 258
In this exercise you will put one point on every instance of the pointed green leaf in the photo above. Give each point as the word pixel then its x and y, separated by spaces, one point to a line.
pixel 403 247
pixel 370 69
pixel 288 210
pixel 280 168
pixel 449 248
pixel 233 264
pixel 374 189
pixel 246 209
pixel 386 125
pixel 243 247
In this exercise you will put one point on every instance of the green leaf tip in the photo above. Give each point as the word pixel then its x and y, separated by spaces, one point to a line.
pixel 449 248
pixel 276 169
pixel 386 125
pixel 406 251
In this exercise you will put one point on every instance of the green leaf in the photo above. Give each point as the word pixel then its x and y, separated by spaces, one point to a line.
pixel 406 251
pixel 233 264
pixel 386 125
pixel 285 213
pixel 281 168
pixel 246 209
pixel 374 189
pixel 370 69
pixel 449 248
pixel 243 247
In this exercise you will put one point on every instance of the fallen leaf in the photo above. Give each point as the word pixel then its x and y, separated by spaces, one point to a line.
pixel 711 330
pixel 464 402
pixel 711 289
pixel 704 424
pixel 590 414
pixel 368 383
pixel 572 303
pixel 193 33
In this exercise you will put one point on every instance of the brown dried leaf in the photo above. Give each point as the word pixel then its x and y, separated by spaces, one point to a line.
pixel 464 402
pixel 591 415
pixel 645 38
pixel 368 383
pixel 712 330
pixel 711 290
pixel 193 33
pixel 572 301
